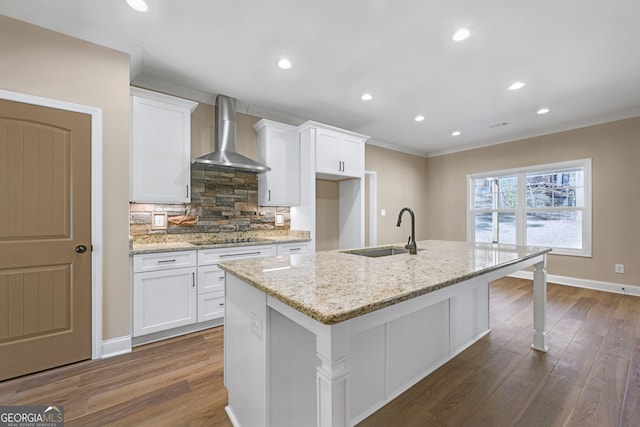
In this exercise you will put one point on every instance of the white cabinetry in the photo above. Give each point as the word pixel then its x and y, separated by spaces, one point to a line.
pixel 278 148
pixel 177 292
pixel 210 292
pixel 211 278
pixel 329 153
pixel 338 153
pixel 160 147
pixel 164 291
pixel 292 248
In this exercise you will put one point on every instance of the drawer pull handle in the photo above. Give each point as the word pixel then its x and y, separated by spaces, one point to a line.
pixel 240 254
pixel 221 277
pixel 294 249
pixel 166 261
pixel 221 304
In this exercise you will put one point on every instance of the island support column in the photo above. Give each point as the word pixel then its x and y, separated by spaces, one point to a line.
pixel 540 306
pixel 332 377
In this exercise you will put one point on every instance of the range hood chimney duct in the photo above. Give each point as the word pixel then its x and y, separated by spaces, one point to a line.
pixel 225 156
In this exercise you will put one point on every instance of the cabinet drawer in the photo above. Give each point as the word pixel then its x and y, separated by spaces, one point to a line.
pixel 210 306
pixel 293 248
pixel 214 256
pixel 210 279
pixel 163 261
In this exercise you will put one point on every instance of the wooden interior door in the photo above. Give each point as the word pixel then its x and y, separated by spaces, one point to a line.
pixel 45 238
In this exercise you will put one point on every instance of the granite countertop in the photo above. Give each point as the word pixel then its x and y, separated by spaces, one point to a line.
pixel 189 242
pixel 334 286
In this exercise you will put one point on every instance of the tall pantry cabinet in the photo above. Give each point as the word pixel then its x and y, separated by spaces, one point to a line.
pixel 333 154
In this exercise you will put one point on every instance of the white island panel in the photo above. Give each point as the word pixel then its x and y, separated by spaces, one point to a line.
pixel 331 350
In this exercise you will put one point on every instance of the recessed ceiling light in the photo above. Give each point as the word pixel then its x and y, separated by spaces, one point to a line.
pixel 284 63
pixel 419 118
pixel 456 133
pixel 139 5
pixel 366 97
pixel 543 111
pixel 517 85
pixel 461 34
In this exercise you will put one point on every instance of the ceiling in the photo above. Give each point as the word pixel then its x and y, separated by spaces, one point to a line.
pixel 579 58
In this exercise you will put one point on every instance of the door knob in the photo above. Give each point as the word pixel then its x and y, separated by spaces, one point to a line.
pixel 81 249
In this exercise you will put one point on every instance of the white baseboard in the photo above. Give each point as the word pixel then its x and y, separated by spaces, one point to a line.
pixel 618 288
pixel 116 346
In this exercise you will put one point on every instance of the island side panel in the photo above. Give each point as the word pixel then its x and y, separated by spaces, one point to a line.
pixel 245 353
pixel 292 373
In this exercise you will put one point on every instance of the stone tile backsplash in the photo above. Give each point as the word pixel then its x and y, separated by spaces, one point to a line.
pixel 221 202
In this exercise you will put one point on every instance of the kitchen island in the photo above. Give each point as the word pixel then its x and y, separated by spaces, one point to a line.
pixel 328 338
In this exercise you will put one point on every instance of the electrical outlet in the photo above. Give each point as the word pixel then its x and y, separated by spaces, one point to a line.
pixel 256 325
pixel 619 268
pixel 383 212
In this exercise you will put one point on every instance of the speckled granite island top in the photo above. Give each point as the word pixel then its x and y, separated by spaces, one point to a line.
pixel 335 286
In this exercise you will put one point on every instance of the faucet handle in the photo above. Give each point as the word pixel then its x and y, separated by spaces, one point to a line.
pixel 409 241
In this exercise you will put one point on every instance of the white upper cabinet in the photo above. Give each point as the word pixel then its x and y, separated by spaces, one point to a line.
pixel 160 147
pixel 278 148
pixel 339 153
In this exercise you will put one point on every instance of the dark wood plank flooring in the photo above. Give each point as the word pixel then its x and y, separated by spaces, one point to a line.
pixel 589 377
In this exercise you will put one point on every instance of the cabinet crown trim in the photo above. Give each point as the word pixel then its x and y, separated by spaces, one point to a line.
pixel 311 124
pixel 161 97
pixel 273 125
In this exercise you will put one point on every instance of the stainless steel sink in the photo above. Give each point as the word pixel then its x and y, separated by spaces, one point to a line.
pixel 378 252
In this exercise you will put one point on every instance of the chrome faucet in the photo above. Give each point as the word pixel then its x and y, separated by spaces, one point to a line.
pixel 411 244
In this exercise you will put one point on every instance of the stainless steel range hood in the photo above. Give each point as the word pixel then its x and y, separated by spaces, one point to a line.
pixel 225 156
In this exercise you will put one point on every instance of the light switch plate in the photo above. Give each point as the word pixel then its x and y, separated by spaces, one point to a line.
pixel 279 219
pixel 159 221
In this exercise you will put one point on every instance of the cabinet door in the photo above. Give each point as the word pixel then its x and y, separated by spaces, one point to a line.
pixel 327 152
pixel 279 148
pixel 352 156
pixel 163 300
pixel 160 153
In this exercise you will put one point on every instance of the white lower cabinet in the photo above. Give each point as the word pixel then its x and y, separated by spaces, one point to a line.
pixel 163 299
pixel 292 248
pixel 211 278
pixel 210 292
pixel 210 306
pixel 181 288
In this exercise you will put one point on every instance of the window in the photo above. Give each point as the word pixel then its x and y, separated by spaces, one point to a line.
pixel 547 205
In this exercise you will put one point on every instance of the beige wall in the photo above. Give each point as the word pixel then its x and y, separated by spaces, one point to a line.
pixel 401 182
pixel 327 215
pixel 47 64
pixel 615 152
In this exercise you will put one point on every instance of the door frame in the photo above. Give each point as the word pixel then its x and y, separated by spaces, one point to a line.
pixel 373 206
pixel 96 202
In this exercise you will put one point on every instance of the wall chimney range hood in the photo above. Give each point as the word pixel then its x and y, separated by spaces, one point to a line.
pixel 225 156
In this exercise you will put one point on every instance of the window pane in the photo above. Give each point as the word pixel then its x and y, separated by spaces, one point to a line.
pixel 555 189
pixel 508 196
pixel 539 198
pixel 484 227
pixel 482 192
pixel 507 228
pixel 558 229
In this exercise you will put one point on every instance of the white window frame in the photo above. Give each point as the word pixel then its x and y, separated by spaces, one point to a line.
pixel 521 210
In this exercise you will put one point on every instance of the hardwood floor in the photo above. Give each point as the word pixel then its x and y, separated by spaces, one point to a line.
pixel 589 377
pixel 176 382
